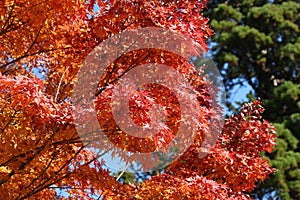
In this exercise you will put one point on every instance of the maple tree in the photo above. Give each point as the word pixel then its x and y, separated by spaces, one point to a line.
pixel 43 46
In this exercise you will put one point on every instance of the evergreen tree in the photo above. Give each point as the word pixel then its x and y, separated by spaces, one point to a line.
pixel 258 42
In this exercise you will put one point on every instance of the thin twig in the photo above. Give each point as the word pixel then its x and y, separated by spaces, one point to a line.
pixel 60 81
pixel 123 171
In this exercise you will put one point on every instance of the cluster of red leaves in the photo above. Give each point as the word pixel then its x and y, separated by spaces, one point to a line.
pixel 46 152
pixel 40 149
pixel 141 102
pixel 228 172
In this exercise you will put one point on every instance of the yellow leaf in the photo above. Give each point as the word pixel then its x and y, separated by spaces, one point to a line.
pixel 4 170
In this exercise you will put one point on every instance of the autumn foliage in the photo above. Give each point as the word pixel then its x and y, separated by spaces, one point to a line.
pixel 43 46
